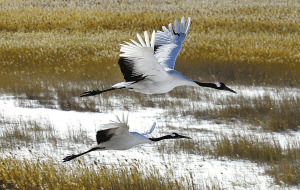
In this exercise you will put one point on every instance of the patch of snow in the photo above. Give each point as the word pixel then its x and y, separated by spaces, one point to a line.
pixel 227 173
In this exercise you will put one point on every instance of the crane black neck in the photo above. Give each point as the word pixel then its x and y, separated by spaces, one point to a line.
pixel 162 138
pixel 206 84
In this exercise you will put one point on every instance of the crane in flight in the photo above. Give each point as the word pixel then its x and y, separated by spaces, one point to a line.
pixel 148 66
pixel 118 137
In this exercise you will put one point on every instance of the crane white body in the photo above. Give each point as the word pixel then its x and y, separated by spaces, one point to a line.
pixel 155 67
pixel 148 66
pixel 118 137
pixel 124 142
pixel 148 86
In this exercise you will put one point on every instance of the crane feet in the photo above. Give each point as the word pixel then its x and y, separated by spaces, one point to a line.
pixel 95 92
pixel 68 158
pixel 90 93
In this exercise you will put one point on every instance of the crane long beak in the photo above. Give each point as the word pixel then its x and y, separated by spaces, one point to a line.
pixel 181 136
pixel 230 90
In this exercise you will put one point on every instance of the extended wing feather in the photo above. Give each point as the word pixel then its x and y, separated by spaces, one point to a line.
pixel 150 131
pixel 119 127
pixel 176 24
pixel 141 40
pixel 138 61
pixel 169 42
pixel 182 23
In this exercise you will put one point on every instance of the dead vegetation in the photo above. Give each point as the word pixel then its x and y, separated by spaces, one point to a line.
pixel 53 51
pixel 24 174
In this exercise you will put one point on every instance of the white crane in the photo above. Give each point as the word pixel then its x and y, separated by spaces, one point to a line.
pixel 148 67
pixel 118 137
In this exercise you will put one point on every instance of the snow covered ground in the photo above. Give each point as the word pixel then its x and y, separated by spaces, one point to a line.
pixel 229 174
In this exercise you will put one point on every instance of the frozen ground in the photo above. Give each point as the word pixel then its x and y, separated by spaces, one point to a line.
pixel 229 174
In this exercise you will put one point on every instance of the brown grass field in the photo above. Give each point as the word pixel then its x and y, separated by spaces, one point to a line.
pixel 52 51
pixel 251 43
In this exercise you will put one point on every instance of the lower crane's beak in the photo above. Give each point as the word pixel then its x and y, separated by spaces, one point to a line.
pixel 228 89
pixel 181 136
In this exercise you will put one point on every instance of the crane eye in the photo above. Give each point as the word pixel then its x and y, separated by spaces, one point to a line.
pixel 218 84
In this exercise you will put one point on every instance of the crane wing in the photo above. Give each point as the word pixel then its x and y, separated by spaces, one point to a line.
pixel 104 135
pixel 138 62
pixel 168 42
pixel 120 127
pixel 150 131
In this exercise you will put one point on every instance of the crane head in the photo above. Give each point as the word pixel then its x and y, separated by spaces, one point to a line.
pixel 222 86
pixel 177 136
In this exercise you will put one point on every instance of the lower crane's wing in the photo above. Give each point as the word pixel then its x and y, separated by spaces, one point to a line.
pixel 150 131
pixel 120 127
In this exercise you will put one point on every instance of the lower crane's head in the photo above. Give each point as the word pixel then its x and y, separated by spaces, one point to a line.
pixel 222 86
pixel 177 136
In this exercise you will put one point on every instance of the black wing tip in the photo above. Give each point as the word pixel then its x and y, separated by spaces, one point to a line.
pixel 156 47
pixel 104 135
pixel 127 68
